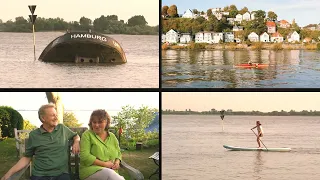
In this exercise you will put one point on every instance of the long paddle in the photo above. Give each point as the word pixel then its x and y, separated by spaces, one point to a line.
pixel 260 140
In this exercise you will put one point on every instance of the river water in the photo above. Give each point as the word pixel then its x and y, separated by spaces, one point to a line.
pixel 215 69
pixel 192 148
pixel 19 70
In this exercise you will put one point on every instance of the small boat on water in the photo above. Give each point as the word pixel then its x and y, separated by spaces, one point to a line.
pixel 233 148
pixel 83 47
pixel 253 65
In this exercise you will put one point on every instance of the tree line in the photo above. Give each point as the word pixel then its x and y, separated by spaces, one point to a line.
pixel 136 25
pixel 246 113
pixel 171 20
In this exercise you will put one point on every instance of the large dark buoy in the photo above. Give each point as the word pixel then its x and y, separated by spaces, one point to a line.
pixel 83 47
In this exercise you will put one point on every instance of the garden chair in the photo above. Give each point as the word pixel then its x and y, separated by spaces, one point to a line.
pixel 155 158
pixel 74 162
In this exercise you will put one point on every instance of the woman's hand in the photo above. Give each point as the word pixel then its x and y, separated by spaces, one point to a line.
pixel 108 164
pixel 116 165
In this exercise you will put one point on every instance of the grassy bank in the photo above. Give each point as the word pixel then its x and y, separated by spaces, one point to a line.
pixel 136 159
pixel 243 46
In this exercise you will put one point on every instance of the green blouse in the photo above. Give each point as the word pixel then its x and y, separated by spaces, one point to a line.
pixel 92 147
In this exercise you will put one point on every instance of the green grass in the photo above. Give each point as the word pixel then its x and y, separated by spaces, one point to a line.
pixel 8 155
pixel 137 159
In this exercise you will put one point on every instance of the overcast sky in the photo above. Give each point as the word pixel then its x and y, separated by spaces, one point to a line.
pixel 241 101
pixel 75 101
pixel 73 10
pixel 303 11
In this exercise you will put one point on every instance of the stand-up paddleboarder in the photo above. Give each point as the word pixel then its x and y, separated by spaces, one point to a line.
pixel 260 132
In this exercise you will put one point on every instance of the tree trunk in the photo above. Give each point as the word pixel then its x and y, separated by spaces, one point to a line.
pixel 55 98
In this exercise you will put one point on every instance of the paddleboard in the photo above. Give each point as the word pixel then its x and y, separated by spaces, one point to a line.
pixel 233 148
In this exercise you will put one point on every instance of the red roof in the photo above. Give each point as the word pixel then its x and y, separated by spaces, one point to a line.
pixel 271 24
pixel 284 22
pixel 276 34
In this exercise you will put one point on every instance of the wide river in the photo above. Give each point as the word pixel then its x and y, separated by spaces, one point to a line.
pixel 19 70
pixel 216 69
pixel 192 148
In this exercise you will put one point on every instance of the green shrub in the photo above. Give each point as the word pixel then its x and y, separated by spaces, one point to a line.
pixel 318 46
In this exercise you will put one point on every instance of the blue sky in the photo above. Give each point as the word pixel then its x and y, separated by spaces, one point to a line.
pixel 303 11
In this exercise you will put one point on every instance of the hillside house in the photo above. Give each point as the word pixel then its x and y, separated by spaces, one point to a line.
pixel 276 37
pixel 271 27
pixel 246 16
pixel 264 37
pixel 253 37
pixel 172 36
pixel 185 38
pixel 284 24
pixel 293 37
pixel 238 18
pixel 228 37
pixel 188 14
pixel 199 37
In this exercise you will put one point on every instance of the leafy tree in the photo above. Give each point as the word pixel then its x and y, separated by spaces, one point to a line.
pixel 233 11
pixel 272 16
pixel 10 118
pixel 137 21
pixel 85 21
pixel 209 12
pixel 133 122
pixel 173 11
pixel 28 126
pixel 70 120
pixel 112 17
pixel 4 122
pixel 243 10
pixel 164 11
pixel 195 11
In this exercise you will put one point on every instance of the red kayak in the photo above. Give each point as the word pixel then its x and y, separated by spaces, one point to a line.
pixel 253 65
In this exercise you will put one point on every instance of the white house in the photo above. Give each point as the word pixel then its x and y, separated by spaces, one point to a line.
pixel 246 16
pixel 276 37
pixel 218 15
pixel 228 37
pixel 207 37
pixel 217 37
pixel 185 38
pixel 293 37
pixel 163 37
pixel 231 20
pixel 188 14
pixel 264 37
pixel 253 37
pixel 199 37
pixel 253 15
pixel 238 18
pixel 172 36
pixel 237 28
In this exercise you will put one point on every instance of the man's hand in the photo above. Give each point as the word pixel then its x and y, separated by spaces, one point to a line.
pixel 76 145
pixel 5 177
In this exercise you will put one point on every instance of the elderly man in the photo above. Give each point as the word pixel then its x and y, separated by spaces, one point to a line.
pixel 49 146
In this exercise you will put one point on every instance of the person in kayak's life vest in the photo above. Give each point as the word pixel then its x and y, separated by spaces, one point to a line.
pixel 260 132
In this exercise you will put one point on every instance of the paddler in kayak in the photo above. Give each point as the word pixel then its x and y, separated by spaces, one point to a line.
pixel 251 64
pixel 260 132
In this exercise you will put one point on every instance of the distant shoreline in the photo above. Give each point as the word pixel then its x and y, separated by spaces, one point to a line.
pixel 236 115
pixel 242 46
pixel 77 31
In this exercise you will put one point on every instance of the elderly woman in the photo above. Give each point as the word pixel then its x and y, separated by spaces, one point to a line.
pixel 100 154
